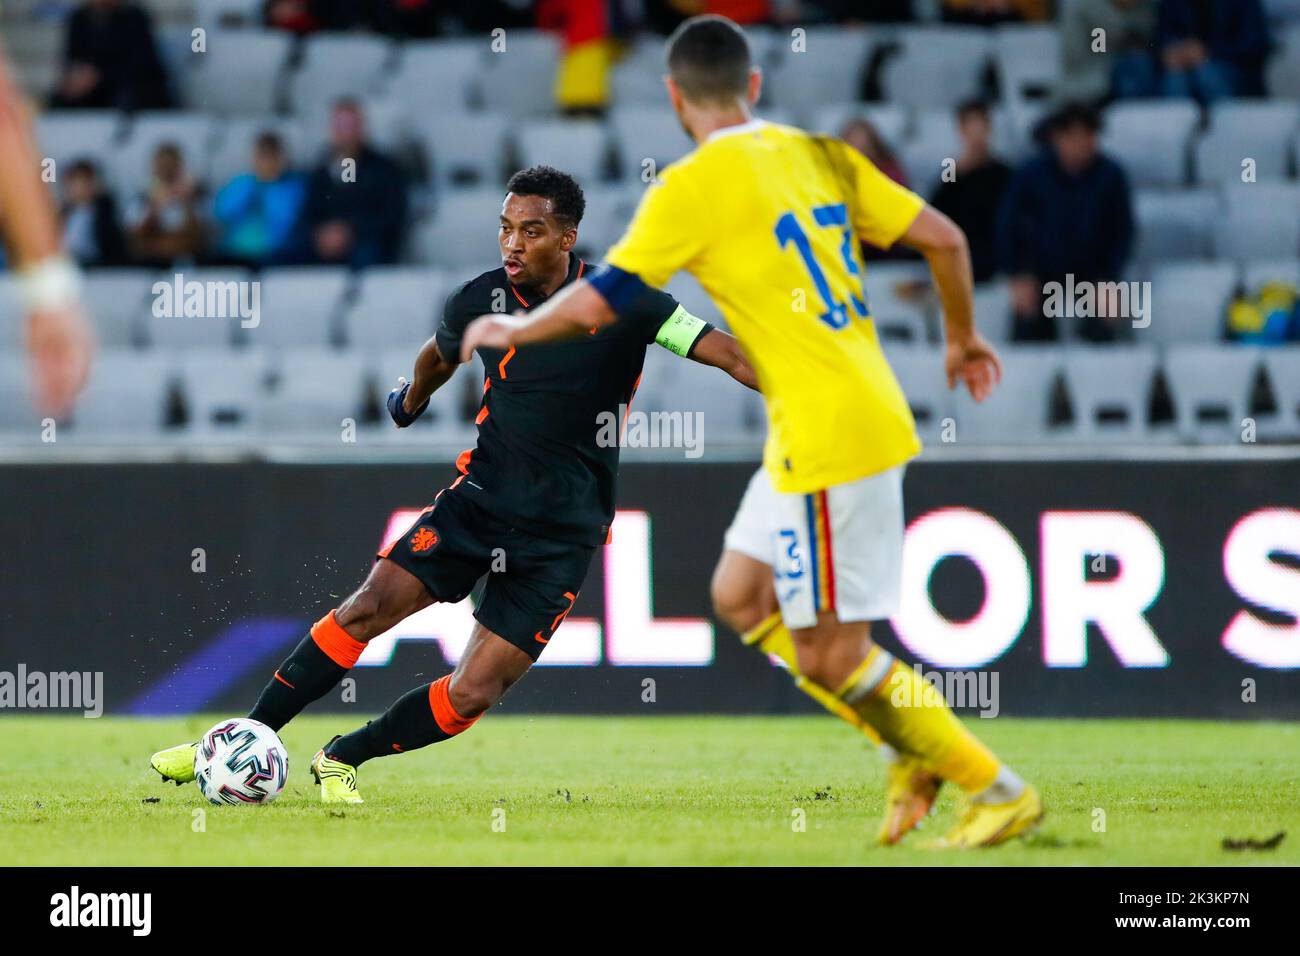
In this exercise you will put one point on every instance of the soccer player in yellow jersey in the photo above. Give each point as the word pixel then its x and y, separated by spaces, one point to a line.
pixel 768 219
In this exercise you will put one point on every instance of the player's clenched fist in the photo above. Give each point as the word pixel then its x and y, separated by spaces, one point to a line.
pixel 401 415
pixel 60 343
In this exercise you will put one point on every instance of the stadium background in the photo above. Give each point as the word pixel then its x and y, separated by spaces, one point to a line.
pixel 198 433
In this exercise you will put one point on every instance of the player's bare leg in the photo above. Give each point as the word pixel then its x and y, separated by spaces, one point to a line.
pixel 744 596
pixel 914 719
pixel 315 667
pixel 426 715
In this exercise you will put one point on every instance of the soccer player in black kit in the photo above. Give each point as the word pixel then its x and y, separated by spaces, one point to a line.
pixel 539 485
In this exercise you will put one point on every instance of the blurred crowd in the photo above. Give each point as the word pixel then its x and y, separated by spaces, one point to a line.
pixel 1065 210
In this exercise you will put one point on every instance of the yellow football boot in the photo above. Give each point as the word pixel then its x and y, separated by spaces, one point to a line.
pixel 988 824
pixel 338 780
pixel 911 793
pixel 176 763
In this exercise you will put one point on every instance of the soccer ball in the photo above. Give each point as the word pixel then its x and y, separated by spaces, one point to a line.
pixel 241 761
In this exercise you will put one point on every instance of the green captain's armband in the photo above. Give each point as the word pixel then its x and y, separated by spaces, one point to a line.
pixel 681 331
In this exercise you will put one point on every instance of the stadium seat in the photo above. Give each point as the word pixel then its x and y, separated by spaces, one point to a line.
pixel 643 133
pixel 1211 387
pixel 214 13
pixel 397 306
pixel 519 80
pixel 829 68
pixel 609 208
pixel 637 79
pixel 993 310
pixel 1017 410
pixel 1189 302
pixel 66 136
pixel 12 329
pixel 1283 366
pixel 242 72
pixel 464 148
pixel 17 416
pixel 1261 271
pixel 1028 59
pixel 933 139
pixel 889 120
pixel 1110 390
pixel 300 307
pixel 920 374
pixel 1149 138
pixel 120 301
pixel 728 412
pixel 448 68
pixel 896 309
pixel 1262 220
pixel 579 147
pixel 1175 224
pixel 223 391
pixel 1260 131
pixel 236 137
pixel 130 165
pixel 314 390
pixel 463 233
pixel 335 65
pixel 225 293
pixel 126 395
pixel 936 66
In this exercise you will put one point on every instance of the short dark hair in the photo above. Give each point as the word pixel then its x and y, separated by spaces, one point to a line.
pixel 567 202
pixel 709 59
pixel 269 140
pixel 973 105
pixel 1073 114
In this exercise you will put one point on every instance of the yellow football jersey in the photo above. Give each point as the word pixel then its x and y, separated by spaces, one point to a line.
pixel 768 219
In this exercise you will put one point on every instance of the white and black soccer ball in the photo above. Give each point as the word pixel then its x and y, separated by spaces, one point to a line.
pixel 241 761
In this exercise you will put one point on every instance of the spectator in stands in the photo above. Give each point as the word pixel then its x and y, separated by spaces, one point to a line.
pixel 972 195
pixel 110 60
pixel 164 225
pixel 1126 67
pixel 259 211
pixel 991 12
pixel 866 139
pixel 1212 49
pixel 91 232
pixel 1067 212
pixel 356 199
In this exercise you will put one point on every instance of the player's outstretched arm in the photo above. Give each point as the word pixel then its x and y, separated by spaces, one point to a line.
pixel 969 357
pixel 59 338
pixel 408 400
pixel 572 312
pixel 721 350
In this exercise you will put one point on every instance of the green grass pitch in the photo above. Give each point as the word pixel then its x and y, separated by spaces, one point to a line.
pixel 670 790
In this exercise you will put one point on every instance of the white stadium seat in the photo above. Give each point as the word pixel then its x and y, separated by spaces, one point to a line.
pixel 1211 386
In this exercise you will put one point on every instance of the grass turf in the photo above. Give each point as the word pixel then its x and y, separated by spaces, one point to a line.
pixel 709 790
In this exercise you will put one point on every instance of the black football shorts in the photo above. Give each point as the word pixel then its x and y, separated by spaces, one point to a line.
pixel 532 582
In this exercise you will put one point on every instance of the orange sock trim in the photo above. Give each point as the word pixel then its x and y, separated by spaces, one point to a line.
pixel 339 646
pixel 451 722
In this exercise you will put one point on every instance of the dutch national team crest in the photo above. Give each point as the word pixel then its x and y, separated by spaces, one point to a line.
pixel 423 540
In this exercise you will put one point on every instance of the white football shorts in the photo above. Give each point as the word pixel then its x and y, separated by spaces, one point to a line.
pixel 838 550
